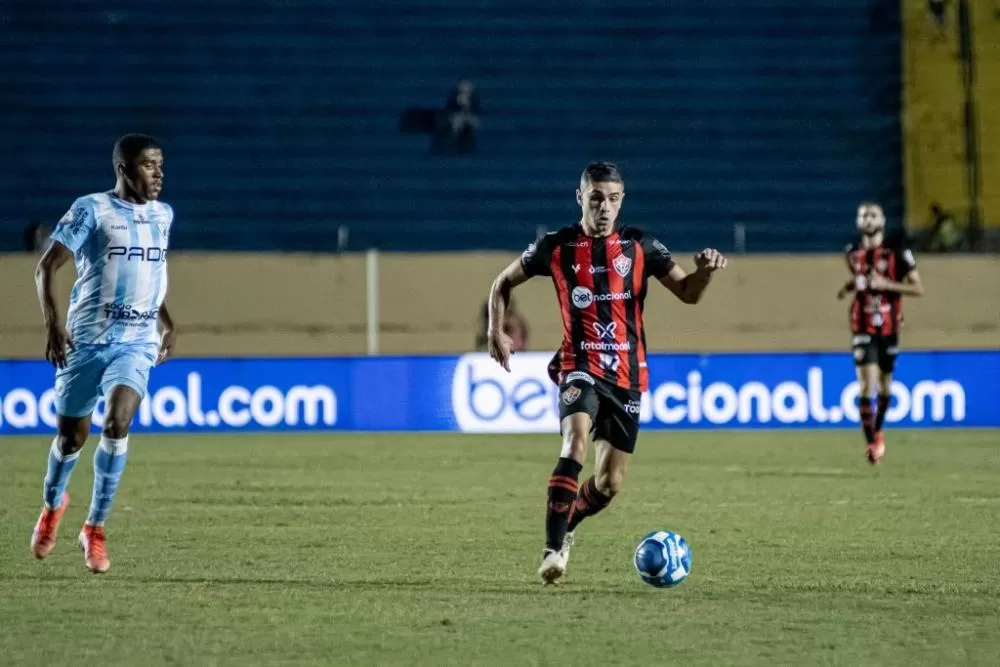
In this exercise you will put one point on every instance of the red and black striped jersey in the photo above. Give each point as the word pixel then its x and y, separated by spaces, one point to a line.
pixel 601 286
pixel 872 312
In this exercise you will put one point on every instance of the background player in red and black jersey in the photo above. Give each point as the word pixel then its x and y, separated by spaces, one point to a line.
pixel 600 271
pixel 881 274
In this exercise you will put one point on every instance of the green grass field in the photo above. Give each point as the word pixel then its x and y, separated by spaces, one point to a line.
pixel 422 550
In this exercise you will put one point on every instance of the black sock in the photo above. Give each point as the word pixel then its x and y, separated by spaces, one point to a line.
pixel 865 409
pixel 883 406
pixel 563 487
pixel 588 503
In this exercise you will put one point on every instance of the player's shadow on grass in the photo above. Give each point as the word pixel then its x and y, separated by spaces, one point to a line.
pixel 522 587
pixel 804 472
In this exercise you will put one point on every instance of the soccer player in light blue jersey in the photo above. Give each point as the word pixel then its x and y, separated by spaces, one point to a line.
pixel 117 328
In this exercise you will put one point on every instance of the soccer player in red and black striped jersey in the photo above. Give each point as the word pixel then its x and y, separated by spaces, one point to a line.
pixel 600 270
pixel 881 274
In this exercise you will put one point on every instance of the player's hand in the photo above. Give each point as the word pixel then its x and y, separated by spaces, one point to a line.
pixel 877 283
pixel 500 345
pixel 841 293
pixel 57 342
pixel 166 345
pixel 710 260
pixel 553 369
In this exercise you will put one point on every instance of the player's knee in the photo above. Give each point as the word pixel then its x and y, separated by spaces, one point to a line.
pixel 575 446
pixel 865 389
pixel 70 443
pixel 116 425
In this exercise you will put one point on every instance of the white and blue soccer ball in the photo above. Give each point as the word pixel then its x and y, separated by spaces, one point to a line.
pixel 662 558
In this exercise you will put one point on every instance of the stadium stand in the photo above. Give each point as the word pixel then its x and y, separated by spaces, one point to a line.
pixel 282 120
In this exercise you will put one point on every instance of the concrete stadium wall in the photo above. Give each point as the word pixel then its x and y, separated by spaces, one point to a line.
pixel 269 304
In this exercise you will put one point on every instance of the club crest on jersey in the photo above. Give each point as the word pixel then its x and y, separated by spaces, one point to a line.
pixel 605 330
pixel 570 394
pixel 622 265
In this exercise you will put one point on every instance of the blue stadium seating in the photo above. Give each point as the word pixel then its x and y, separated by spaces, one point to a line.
pixel 280 118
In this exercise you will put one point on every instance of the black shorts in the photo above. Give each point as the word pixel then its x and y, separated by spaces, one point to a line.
pixel 614 411
pixel 881 350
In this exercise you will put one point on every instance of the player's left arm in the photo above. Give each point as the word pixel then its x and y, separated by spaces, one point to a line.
pixel 167 334
pixel 689 287
pixel 910 285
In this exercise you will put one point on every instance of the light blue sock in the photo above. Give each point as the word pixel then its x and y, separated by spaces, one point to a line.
pixel 109 462
pixel 57 475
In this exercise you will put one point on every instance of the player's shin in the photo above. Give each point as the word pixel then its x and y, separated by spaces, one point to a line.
pixel 883 401
pixel 563 487
pixel 109 463
pixel 589 502
pixel 57 475
pixel 867 418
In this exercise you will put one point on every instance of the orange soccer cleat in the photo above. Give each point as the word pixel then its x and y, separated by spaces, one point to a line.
pixel 95 554
pixel 43 538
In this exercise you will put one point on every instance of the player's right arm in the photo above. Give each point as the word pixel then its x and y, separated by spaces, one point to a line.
pixel 56 338
pixel 851 284
pixel 72 230
pixel 498 342
pixel 534 261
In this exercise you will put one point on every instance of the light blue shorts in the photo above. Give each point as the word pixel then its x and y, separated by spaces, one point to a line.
pixel 93 370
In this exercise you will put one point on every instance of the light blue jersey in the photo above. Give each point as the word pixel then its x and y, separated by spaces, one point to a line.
pixel 120 250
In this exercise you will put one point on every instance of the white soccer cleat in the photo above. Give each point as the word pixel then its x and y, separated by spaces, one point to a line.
pixel 553 566
pixel 568 542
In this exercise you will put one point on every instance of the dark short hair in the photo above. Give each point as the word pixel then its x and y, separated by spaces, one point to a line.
pixel 601 172
pixel 129 146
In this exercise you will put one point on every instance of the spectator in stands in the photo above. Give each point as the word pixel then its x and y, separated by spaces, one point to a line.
pixel 944 234
pixel 514 326
pixel 937 9
pixel 458 125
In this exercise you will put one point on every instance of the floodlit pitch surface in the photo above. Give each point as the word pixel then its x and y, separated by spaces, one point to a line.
pixel 422 550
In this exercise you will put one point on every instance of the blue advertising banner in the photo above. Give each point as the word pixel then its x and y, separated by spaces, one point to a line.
pixel 471 393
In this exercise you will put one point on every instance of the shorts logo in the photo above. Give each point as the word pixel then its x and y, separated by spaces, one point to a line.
pixel 622 265
pixel 633 407
pixel 570 394
pixel 859 354
pixel 582 297
pixel 605 330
